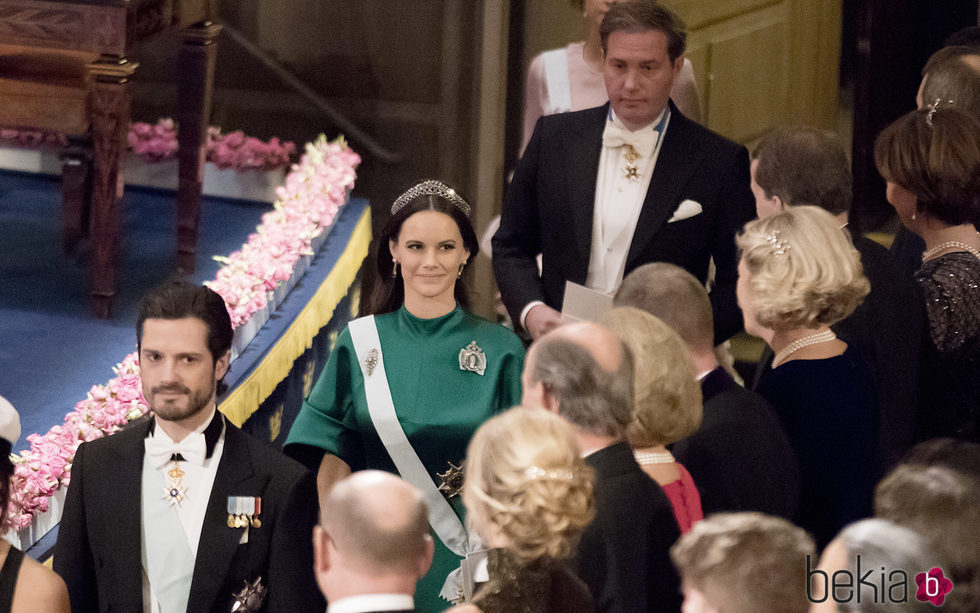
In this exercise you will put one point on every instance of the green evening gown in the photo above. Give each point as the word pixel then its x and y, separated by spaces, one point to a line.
pixel 438 404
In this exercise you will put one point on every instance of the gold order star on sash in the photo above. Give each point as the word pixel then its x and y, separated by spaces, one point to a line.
pixel 631 155
pixel 452 480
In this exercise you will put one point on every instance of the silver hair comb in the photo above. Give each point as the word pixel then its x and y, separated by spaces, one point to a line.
pixel 533 472
pixel 777 245
pixel 935 107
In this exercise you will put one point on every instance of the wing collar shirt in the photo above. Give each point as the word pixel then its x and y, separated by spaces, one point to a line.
pixel 198 480
pixel 619 198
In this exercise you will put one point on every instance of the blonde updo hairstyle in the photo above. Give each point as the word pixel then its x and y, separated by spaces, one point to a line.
pixel 667 395
pixel 804 272
pixel 527 483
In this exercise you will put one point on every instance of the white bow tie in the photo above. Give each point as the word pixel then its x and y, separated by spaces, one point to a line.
pixel 160 449
pixel 642 140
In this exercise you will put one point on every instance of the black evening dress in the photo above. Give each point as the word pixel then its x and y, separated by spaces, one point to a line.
pixel 830 412
pixel 8 578
pixel 543 586
pixel 951 287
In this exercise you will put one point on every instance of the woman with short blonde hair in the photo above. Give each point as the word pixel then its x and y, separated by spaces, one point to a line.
pixel 816 280
pixel 798 274
pixel 528 492
pixel 666 407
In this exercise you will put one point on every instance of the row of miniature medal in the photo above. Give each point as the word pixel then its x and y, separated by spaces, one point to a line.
pixel 243 512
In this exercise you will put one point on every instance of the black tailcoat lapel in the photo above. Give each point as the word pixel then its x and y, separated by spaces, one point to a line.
pixel 236 476
pixel 679 159
pixel 122 500
pixel 582 146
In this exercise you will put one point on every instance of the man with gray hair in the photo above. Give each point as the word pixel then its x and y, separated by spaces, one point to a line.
pixel 372 544
pixel 872 567
pixel 584 373
pixel 736 423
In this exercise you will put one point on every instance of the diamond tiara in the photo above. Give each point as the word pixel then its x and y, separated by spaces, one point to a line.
pixel 431 187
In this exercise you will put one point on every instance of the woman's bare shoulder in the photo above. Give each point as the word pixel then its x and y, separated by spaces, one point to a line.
pixel 39 589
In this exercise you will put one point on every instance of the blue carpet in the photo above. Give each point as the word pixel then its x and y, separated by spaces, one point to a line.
pixel 52 349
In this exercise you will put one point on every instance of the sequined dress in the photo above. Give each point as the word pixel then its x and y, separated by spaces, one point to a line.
pixel 951 287
pixel 543 586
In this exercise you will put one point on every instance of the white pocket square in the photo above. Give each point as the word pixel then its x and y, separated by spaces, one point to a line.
pixel 686 210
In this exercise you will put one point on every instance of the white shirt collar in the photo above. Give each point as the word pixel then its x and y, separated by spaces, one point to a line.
pixel 702 375
pixel 158 432
pixel 372 602
pixel 619 122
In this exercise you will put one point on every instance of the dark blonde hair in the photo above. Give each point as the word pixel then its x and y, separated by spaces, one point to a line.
pixel 935 154
pixel 804 271
pixel 667 395
pixel 526 480
pixel 804 165
pixel 943 505
pixel 746 562
pixel 642 16
pixel 673 295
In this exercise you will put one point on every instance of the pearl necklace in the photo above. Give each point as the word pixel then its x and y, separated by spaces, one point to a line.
pixel 653 457
pixel 930 253
pixel 806 341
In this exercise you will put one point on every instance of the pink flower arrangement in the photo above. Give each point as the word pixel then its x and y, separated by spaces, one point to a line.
pixel 158 142
pixel 33 138
pixel 313 193
pixel 234 150
pixel 45 467
pixel 155 142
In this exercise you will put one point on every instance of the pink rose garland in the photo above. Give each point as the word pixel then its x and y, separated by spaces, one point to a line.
pixel 313 193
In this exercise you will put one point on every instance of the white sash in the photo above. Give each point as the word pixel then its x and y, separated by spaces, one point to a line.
pixel 556 76
pixel 444 521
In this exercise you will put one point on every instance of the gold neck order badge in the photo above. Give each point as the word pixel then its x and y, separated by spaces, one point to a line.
pixel 176 493
pixel 632 172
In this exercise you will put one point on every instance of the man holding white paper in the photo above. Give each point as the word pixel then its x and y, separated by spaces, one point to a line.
pixel 602 191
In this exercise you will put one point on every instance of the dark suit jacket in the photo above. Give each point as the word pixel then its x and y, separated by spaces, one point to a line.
pixel 98 548
pixel 550 202
pixel 624 555
pixel 740 457
pixel 888 332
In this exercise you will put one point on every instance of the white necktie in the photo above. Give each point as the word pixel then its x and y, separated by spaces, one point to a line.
pixel 159 449
pixel 643 141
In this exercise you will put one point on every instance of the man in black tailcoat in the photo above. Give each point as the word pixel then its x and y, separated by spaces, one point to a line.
pixel 181 510
pixel 601 191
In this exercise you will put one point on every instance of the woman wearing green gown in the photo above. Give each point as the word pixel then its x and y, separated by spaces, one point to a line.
pixel 433 373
